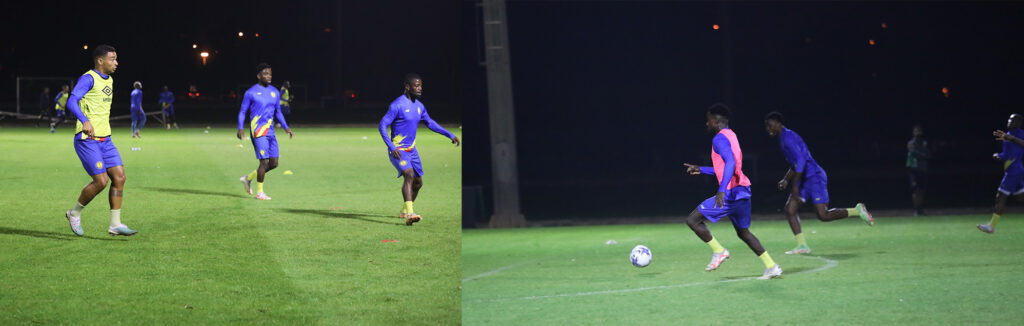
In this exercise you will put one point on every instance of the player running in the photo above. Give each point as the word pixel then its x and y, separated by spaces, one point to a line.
pixel 1013 178
pixel 90 103
pixel 261 101
pixel 138 115
pixel 61 106
pixel 404 116
pixel 806 180
pixel 167 103
pixel 733 197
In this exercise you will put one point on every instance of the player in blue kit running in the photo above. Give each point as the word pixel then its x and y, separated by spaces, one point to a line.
pixel 1013 179
pixel 404 116
pixel 167 104
pixel 138 115
pixel 90 103
pixel 733 197
pixel 806 181
pixel 262 103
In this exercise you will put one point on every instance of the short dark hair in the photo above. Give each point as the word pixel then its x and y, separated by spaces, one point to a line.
pixel 102 50
pixel 261 66
pixel 411 77
pixel 774 115
pixel 721 110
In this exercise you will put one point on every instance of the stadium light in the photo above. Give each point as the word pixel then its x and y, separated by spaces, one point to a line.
pixel 204 55
pixel 884 26
pixel 195 45
pixel 257 35
pixel 871 42
pixel 945 92
pixel 85 47
pixel 715 26
pixel 240 34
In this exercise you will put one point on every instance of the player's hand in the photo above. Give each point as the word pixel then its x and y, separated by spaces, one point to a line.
pixel 87 129
pixel 290 134
pixel 783 184
pixel 240 133
pixel 692 169
pixel 995 156
pixel 455 140
pixel 719 199
pixel 1001 135
pixel 397 154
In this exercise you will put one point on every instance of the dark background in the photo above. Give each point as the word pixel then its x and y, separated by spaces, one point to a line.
pixel 327 49
pixel 610 99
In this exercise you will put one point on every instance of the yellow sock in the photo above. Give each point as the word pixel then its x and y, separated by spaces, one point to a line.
pixel 251 175
pixel 852 212
pixel 767 259
pixel 994 221
pixel 259 187
pixel 408 207
pixel 800 240
pixel 715 246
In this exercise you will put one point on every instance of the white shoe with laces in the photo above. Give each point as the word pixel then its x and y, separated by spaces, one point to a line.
pixel 716 260
pixel 771 272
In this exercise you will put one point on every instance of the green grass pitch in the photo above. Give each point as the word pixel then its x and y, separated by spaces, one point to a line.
pixel 934 270
pixel 207 253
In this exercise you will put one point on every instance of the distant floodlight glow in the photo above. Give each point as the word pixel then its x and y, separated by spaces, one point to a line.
pixel 204 54
pixel 195 45
pixel 85 47
pixel 715 26
pixel 240 34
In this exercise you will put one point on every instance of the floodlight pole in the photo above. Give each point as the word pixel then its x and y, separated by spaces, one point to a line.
pixel 505 176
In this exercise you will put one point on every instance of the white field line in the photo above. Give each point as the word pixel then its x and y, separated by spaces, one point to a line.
pixel 829 263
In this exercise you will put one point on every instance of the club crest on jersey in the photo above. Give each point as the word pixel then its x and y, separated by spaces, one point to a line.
pixel 272 94
pixel 407 110
pixel 107 90
pixel 419 110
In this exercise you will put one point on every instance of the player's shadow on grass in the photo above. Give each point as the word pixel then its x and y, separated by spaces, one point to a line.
pixel 49 235
pixel 195 192
pixel 337 214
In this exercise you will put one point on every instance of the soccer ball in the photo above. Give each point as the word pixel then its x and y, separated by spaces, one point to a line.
pixel 640 256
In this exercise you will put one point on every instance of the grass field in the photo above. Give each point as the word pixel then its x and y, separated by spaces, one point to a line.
pixel 935 270
pixel 207 253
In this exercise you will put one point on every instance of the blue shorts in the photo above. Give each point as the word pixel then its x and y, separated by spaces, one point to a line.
pixel 815 190
pixel 408 160
pixel 138 115
pixel 265 147
pixel 169 110
pixel 1013 184
pixel 97 156
pixel 737 210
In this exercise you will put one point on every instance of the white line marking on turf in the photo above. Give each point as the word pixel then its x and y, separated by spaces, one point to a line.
pixel 498 270
pixel 829 263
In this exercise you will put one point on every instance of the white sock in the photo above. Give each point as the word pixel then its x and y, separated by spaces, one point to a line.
pixel 77 210
pixel 115 217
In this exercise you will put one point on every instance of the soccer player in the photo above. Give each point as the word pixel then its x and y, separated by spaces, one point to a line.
pixel 138 115
pixel 918 154
pixel 733 197
pixel 1013 178
pixel 45 108
pixel 90 103
pixel 806 180
pixel 404 116
pixel 286 98
pixel 261 100
pixel 61 105
pixel 167 103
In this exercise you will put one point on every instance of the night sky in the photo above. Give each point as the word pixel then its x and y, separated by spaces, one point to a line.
pixel 323 47
pixel 610 98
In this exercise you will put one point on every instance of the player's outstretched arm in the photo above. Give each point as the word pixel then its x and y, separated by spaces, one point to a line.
pixel 1002 135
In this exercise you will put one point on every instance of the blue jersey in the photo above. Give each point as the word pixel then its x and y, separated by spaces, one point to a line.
pixel 403 116
pixel 1012 154
pixel 136 100
pixel 263 105
pixel 168 98
pixel 798 156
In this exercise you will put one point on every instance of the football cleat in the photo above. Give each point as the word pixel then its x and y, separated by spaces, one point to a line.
pixel 716 260
pixel 262 196
pixel 986 228
pixel 75 222
pixel 121 229
pixel 865 215
pixel 771 272
pixel 412 218
pixel 246 183
pixel 799 250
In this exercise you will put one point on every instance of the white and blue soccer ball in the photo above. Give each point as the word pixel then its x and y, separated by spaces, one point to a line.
pixel 640 256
